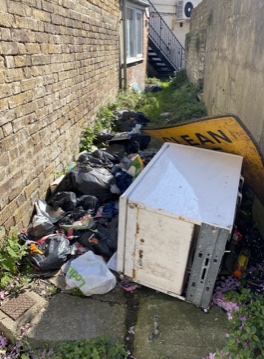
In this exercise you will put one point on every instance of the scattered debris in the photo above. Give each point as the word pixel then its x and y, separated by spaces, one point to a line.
pixel 77 225
pixel 80 215
pixel 128 285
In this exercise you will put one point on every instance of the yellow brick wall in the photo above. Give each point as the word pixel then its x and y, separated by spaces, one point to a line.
pixel 58 65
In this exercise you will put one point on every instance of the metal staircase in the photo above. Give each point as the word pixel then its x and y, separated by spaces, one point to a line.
pixel 165 53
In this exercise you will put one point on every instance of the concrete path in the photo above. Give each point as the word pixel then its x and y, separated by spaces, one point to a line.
pixel 183 331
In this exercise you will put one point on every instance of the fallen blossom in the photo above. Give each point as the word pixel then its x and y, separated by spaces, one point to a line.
pixel 218 298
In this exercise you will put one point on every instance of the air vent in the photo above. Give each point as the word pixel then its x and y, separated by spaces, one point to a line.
pixel 179 10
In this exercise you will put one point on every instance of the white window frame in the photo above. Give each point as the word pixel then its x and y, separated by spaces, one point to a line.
pixel 137 55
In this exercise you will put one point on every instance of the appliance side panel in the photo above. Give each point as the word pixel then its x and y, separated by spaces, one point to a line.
pixel 206 263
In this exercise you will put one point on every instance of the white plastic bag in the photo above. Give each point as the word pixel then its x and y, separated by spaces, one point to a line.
pixel 90 274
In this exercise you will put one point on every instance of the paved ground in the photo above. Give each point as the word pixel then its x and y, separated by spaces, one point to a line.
pixel 183 331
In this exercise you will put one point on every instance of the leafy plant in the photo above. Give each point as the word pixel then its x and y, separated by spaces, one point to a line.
pixel 177 96
pixel 105 120
pixel 11 254
pixel 97 348
pixel 90 348
pixel 153 81
pixel 246 338
pixel 246 327
pixel 186 104
pixel 178 80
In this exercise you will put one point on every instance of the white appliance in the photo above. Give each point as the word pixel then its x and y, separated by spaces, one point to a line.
pixel 175 219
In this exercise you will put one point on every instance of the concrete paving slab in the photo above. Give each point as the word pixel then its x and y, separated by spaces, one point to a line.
pixel 185 331
pixel 10 327
pixel 70 317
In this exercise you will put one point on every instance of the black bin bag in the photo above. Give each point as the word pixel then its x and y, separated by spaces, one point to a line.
pixel 86 181
pixel 49 253
pixel 65 200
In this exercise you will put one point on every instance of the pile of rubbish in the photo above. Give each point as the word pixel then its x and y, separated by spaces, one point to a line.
pixel 78 221
pixel 245 261
pixel 76 228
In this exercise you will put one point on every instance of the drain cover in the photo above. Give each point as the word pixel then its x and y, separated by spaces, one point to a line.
pixel 15 307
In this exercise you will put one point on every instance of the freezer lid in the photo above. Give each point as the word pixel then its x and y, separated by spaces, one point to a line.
pixel 195 184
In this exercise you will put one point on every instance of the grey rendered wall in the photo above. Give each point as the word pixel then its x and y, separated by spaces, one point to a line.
pixel 225 56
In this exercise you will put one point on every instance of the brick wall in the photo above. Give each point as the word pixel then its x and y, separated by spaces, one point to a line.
pixel 58 65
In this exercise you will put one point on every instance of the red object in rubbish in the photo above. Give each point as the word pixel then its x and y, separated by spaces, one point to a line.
pixel 237 236
pixel 128 286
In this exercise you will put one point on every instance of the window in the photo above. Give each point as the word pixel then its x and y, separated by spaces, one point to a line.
pixel 134 33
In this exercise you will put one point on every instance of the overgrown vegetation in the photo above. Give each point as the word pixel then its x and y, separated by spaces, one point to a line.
pixel 11 254
pixel 98 348
pixel 245 311
pixel 90 348
pixel 177 97
pixel 246 335
pixel 106 117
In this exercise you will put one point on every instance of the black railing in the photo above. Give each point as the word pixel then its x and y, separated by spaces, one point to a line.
pixel 165 40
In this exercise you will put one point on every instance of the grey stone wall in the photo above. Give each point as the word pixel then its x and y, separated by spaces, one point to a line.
pixel 58 65
pixel 230 59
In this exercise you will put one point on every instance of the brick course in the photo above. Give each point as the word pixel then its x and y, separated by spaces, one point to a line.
pixel 58 65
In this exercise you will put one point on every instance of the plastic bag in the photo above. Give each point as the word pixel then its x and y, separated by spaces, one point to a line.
pixel 40 226
pixel 65 200
pixel 94 182
pixel 90 274
pixel 43 209
pixel 49 253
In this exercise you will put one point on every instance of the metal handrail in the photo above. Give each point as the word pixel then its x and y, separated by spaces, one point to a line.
pixel 165 40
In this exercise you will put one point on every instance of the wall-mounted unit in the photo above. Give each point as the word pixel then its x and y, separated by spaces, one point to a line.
pixel 183 10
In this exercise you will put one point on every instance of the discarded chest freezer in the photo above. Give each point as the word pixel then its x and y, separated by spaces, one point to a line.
pixel 176 218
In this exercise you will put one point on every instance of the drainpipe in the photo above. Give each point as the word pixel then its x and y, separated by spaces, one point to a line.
pixel 124 44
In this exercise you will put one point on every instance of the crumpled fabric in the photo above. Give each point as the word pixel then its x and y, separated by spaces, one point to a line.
pixel 122 178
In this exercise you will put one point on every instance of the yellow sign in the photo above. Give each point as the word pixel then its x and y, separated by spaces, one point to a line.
pixel 223 133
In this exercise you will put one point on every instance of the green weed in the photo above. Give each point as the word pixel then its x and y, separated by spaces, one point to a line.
pixel 90 348
pixel 11 254
pixel 246 328
pixel 246 339
pixel 129 100
pixel 178 97
pixel 152 81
